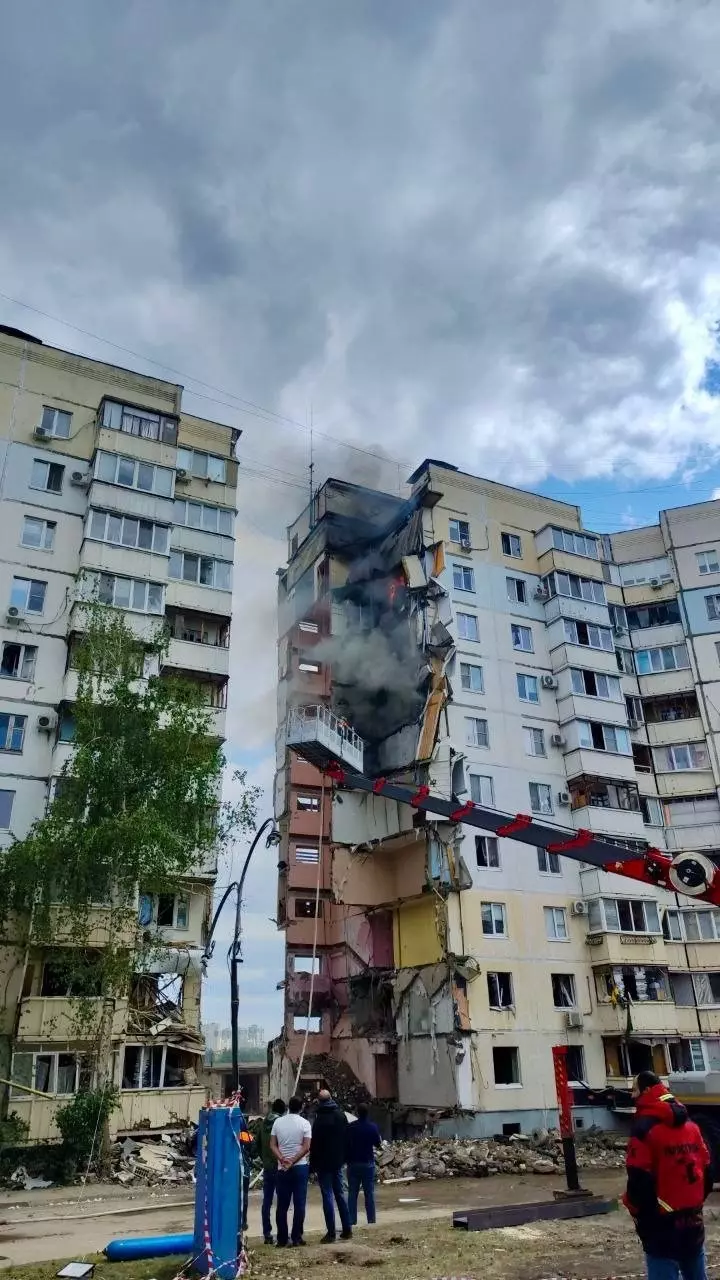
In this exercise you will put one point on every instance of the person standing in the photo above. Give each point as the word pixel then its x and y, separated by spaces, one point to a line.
pixel 327 1157
pixel 363 1137
pixel 290 1143
pixel 668 1180
pixel 262 1150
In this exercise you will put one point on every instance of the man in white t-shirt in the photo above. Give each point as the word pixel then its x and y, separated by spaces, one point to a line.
pixel 290 1143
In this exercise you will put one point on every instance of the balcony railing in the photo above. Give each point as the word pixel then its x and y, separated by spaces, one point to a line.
pixel 317 735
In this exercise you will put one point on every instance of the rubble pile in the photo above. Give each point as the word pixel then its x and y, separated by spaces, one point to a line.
pixel 166 1162
pixel 539 1153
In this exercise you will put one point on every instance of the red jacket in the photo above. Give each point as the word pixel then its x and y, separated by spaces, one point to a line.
pixel 669 1178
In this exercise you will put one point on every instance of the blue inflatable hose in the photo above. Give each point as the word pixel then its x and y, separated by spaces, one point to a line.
pixel 149 1247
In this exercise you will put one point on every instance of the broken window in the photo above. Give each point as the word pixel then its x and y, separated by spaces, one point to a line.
pixel 166 910
pixel 476 732
pixel 686 1055
pixel 516 590
pixel 487 852
pixel 313 1025
pixel 575 1063
pixel 18 661
pixel 506 1065
pixel 494 920
pixel 595 684
pixel 306 964
pixel 305 908
pixel 604 737
pixel 511 545
pixel 500 990
pixel 588 635
pixel 308 804
pixel 142 1066
pixel 563 989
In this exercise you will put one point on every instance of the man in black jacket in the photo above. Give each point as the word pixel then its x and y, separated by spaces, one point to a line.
pixel 669 1178
pixel 327 1157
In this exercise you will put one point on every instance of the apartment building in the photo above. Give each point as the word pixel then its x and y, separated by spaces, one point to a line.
pixel 482 642
pixel 104 478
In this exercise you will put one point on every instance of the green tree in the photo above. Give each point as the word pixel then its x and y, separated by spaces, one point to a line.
pixel 137 808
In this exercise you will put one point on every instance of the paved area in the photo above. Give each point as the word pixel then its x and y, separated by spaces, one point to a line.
pixel 48 1225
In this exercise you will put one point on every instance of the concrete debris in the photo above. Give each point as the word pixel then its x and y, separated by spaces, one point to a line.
pixel 21 1178
pixel 539 1153
pixel 167 1161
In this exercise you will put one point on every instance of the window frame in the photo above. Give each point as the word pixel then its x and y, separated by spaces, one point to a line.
pixel 520 586
pixel 470 667
pixel 25 650
pixel 57 415
pixel 508 1048
pixel 47 527
pixel 497 974
pixel 522 682
pixel 508 542
pixel 532 734
pixel 186 456
pixel 554 914
pixel 519 632
pixel 462 635
pixel 55 469
pixel 471 737
pixel 498 914
pixel 551 868
pixel 100 574
pixel 14 733
pixel 545 787
pixel 476 792
pixel 122 459
pixel 557 978
pixel 489 846
pixel 31 584
pixel 185 523
pixel 459 524
pixel 125 518
pixel 707 567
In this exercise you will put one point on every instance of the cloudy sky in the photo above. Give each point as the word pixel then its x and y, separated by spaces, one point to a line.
pixel 473 230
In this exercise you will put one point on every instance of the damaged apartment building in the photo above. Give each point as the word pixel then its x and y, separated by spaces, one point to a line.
pixel 478 640
pixel 104 476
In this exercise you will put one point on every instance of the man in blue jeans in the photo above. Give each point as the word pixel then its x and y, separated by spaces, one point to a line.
pixel 327 1157
pixel 261 1148
pixel 290 1144
pixel 362 1138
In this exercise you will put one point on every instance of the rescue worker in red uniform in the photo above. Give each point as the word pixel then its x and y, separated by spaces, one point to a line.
pixel 668 1180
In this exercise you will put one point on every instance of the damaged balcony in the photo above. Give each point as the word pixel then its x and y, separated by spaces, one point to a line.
pixel 197 643
pixel 321 738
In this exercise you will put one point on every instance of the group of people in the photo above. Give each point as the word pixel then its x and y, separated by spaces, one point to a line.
pixel 291 1148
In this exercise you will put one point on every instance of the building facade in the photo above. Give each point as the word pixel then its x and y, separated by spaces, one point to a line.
pixel 482 642
pixel 105 478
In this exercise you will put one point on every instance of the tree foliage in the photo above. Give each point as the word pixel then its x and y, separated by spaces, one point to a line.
pixel 137 807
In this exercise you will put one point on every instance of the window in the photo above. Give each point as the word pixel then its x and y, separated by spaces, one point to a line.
pixel 114 468
pixel 555 924
pixel 685 756
pixel 138 422
pixel 652 811
pixel 578 544
pixel 306 964
pixel 670 657
pixel 312 1023
pixel 625 661
pixel 66 724
pixel 686 1056
pixel 206 466
pixel 166 910
pixel 634 708
pixel 47 476
pixel 653 615
pixel 527 687
pixel 511 545
pixel 516 590
pixel 604 737
pixel 569 584
pixel 541 797
pixel 548 863
pixel 575 1062
pixel 6 807
pixel 691 926
pixel 707 561
pixel 624 915
pixel 471 677
pixel 696 989
pixel 202 515
pixel 305 909
pixel 463 577
pixel 596 793
pixel 38 533
pixel 460 532
pixel 494 924
pixel 51 1073
pixel 521 638
pixel 130 593
pixel 56 422
pixel 128 531
pixel 476 732
pixel 187 566
pixel 500 990
pixel 307 853
pixel 468 626
pixel 311 628
pixel 563 989
pixel 712 604
pixel 142 1066
pixel 311 668
pixel 594 684
pixel 506 1066
pixel 18 660
pixel 482 790
pixel 588 635
pixel 633 575
pixel 534 741
pixel 28 595
pixel 308 804
pixel 487 853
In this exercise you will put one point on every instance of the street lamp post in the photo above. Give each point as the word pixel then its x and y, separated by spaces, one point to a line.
pixel 235 952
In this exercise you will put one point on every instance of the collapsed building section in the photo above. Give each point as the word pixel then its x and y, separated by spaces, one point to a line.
pixel 371 979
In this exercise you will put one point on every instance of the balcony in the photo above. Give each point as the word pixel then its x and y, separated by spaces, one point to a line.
pixel 685 782
pixel 610 822
pixel 320 737
pixel 585 760
pixel 704 835
pixel 199 656
pixel 667 732
pixel 626 948
pixel 298 989
pixel 55 1019
pixel 648 1017
pixel 663 683
pixel 580 610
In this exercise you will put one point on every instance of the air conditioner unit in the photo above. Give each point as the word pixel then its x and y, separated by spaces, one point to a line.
pixel 47 723
pixel 540 592
pixel 557 740
pixel 81 479
pixel 656 583
pixel 465 544
pixel 548 682
pixel 13 615
pixel 633 723
pixel 579 907
pixel 41 433
pixel 619 629
pixel 573 1020
pixel 182 475
pixel 563 797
